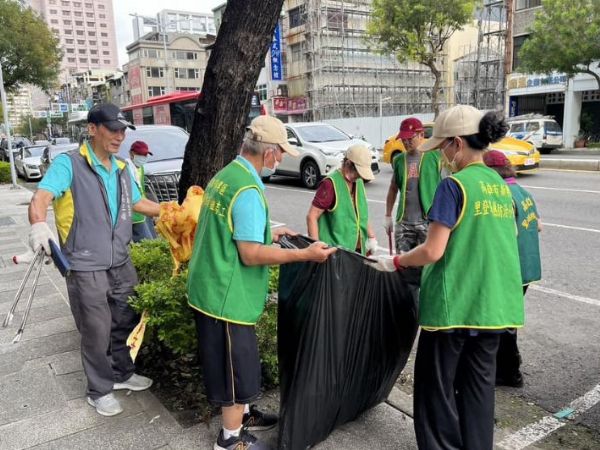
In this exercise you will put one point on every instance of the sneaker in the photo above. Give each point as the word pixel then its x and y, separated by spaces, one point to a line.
pixel 256 420
pixel 134 383
pixel 515 380
pixel 107 405
pixel 245 441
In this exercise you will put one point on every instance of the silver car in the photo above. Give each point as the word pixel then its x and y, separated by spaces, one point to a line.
pixel 322 148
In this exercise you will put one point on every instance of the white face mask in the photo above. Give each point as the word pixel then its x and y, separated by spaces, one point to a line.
pixel 268 171
pixel 452 166
pixel 139 160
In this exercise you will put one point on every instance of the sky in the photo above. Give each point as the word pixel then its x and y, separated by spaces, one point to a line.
pixel 122 9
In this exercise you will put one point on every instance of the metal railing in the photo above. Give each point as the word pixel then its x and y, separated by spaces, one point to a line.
pixel 163 185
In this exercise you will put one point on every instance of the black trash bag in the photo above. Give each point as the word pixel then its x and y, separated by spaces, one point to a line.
pixel 345 331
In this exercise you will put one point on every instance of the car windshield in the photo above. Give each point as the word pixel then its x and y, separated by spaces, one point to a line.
pixel 34 151
pixel 163 142
pixel 321 133
pixel 56 149
pixel 551 126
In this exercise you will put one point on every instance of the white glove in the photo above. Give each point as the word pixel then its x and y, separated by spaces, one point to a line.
pixel 371 246
pixel 39 235
pixel 388 224
pixel 384 263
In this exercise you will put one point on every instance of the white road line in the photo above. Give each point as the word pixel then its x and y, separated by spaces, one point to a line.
pixel 539 430
pixel 577 298
pixel 559 189
pixel 569 227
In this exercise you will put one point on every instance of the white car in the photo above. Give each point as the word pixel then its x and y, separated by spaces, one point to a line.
pixel 322 148
pixel 541 131
pixel 27 162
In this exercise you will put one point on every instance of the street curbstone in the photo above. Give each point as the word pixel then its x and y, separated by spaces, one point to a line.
pixel 571 164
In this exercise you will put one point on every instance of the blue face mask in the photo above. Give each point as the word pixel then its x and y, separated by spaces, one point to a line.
pixel 139 160
pixel 268 171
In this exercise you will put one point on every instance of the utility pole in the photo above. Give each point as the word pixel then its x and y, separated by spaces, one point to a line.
pixel 11 158
pixel 381 100
pixel 163 26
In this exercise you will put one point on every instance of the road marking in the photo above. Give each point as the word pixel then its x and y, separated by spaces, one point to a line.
pixel 539 430
pixel 569 227
pixel 559 189
pixel 577 298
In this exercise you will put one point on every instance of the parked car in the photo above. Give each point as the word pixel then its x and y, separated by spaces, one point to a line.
pixel 541 131
pixel 61 140
pixel 322 148
pixel 16 141
pixel 27 162
pixel 522 155
pixel 50 152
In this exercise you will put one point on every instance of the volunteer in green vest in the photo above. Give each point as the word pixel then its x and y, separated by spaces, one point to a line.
pixel 470 290
pixel 93 197
pixel 416 177
pixel 143 226
pixel 508 360
pixel 228 279
pixel 339 214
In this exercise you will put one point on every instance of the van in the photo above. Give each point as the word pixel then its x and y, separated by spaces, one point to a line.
pixel 542 131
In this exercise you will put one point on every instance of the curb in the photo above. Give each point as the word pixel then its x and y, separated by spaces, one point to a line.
pixel 570 164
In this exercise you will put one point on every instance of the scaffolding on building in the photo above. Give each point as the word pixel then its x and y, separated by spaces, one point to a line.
pixel 346 78
pixel 480 73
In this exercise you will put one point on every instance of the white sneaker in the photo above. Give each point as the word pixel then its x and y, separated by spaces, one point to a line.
pixel 134 383
pixel 107 405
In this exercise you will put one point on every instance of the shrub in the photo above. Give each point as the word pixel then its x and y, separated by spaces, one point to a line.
pixel 4 172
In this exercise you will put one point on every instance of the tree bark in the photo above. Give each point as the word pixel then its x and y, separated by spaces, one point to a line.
pixel 233 68
pixel 435 90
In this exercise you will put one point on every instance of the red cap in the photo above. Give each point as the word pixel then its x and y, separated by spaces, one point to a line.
pixel 409 127
pixel 140 148
pixel 495 158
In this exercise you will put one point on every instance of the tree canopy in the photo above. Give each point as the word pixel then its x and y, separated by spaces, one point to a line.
pixel 565 37
pixel 29 51
pixel 417 30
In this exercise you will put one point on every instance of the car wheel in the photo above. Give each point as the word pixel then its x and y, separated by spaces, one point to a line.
pixel 310 174
pixel 545 151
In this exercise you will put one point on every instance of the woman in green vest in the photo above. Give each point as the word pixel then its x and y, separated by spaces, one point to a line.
pixel 339 214
pixel 470 289
pixel 508 360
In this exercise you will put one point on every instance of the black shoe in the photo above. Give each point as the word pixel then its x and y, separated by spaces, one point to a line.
pixel 515 380
pixel 256 420
pixel 245 441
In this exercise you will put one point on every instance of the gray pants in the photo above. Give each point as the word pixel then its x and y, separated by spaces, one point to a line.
pixel 104 319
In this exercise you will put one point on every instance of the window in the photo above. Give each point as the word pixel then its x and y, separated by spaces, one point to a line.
pixel 91 24
pixel 517 127
pixel 68 31
pixel 55 21
pixel 79 23
pixel 89 5
pixel 297 17
pixel 185 55
pixel 93 43
pixel 80 33
pixel 107 61
pixel 517 44
pixel 53 11
pixel 69 41
pixel 82 51
pixel 94 52
pixel 77 4
pixel 71 60
pixel 262 91
pixel 106 53
pixel 100 6
pixel 150 53
pixel 102 25
pixel 337 19
pixel 80 41
pixel 153 91
pixel 66 12
pixel 90 15
pixel 296 51
pixel 66 22
pixel 64 3
pixel 104 34
pixel 55 30
pixel 154 72
pixel 102 16
pixel 198 24
pixel 70 50
pixel 526 4
pixel 104 44
pixel 92 33
pixel 94 61
pixel 532 126
pixel 78 14
pixel 193 73
pixel 83 60
pixel 52 2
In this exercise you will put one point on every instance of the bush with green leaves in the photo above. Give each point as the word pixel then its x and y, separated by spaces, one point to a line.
pixel 170 319
pixel 4 172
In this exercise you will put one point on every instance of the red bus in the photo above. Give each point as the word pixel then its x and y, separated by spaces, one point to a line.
pixel 176 109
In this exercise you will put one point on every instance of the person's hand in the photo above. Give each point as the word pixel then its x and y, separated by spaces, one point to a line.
pixel 276 233
pixel 371 246
pixel 384 263
pixel 388 224
pixel 40 234
pixel 319 251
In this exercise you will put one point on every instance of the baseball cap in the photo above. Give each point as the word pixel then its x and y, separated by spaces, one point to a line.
pixel 270 130
pixel 108 115
pixel 140 148
pixel 495 158
pixel 361 157
pixel 460 120
pixel 409 127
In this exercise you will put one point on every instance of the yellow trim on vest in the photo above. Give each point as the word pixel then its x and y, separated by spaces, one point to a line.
pixel 464 204
pixel 84 151
pixel 233 199
pixel 220 318
pixel 64 212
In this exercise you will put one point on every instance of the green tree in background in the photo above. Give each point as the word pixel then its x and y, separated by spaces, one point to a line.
pixel 565 37
pixel 417 30
pixel 29 51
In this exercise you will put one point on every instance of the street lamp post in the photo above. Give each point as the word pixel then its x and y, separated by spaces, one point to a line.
pixel 162 25
pixel 381 100
pixel 11 158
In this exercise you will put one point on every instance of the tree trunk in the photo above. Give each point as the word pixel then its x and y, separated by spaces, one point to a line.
pixel 435 90
pixel 233 67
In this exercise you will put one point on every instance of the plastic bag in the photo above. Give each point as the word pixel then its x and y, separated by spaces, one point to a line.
pixel 345 332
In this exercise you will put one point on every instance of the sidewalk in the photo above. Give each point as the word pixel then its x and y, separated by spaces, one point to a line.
pixel 572 159
pixel 42 386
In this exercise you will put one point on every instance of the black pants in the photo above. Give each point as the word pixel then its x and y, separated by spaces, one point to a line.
pixel 454 390
pixel 508 360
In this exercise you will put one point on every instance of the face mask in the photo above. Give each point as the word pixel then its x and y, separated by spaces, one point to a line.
pixel 452 166
pixel 139 160
pixel 268 171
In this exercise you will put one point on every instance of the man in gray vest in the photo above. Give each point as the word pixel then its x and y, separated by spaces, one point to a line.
pixel 94 196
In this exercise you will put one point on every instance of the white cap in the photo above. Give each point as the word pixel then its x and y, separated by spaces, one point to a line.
pixel 460 120
pixel 361 157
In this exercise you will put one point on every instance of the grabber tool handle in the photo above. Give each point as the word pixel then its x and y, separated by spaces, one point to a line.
pixel 40 266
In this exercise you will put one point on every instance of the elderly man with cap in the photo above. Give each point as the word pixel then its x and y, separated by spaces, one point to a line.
pixel 94 196
pixel 339 214
pixel 416 176
pixel 143 226
pixel 228 279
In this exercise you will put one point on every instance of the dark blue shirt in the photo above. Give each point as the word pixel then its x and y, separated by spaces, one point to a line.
pixel 447 203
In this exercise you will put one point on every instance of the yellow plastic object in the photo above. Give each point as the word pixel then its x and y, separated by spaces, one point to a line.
pixel 177 224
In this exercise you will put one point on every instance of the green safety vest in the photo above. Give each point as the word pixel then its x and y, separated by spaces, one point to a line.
pixel 477 282
pixel 429 178
pixel 527 237
pixel 345 224
pixel 137 217
pixel 219 284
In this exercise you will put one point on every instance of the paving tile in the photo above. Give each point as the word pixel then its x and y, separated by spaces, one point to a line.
pixel 67 362
pixel 40 329
pixel 73 385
